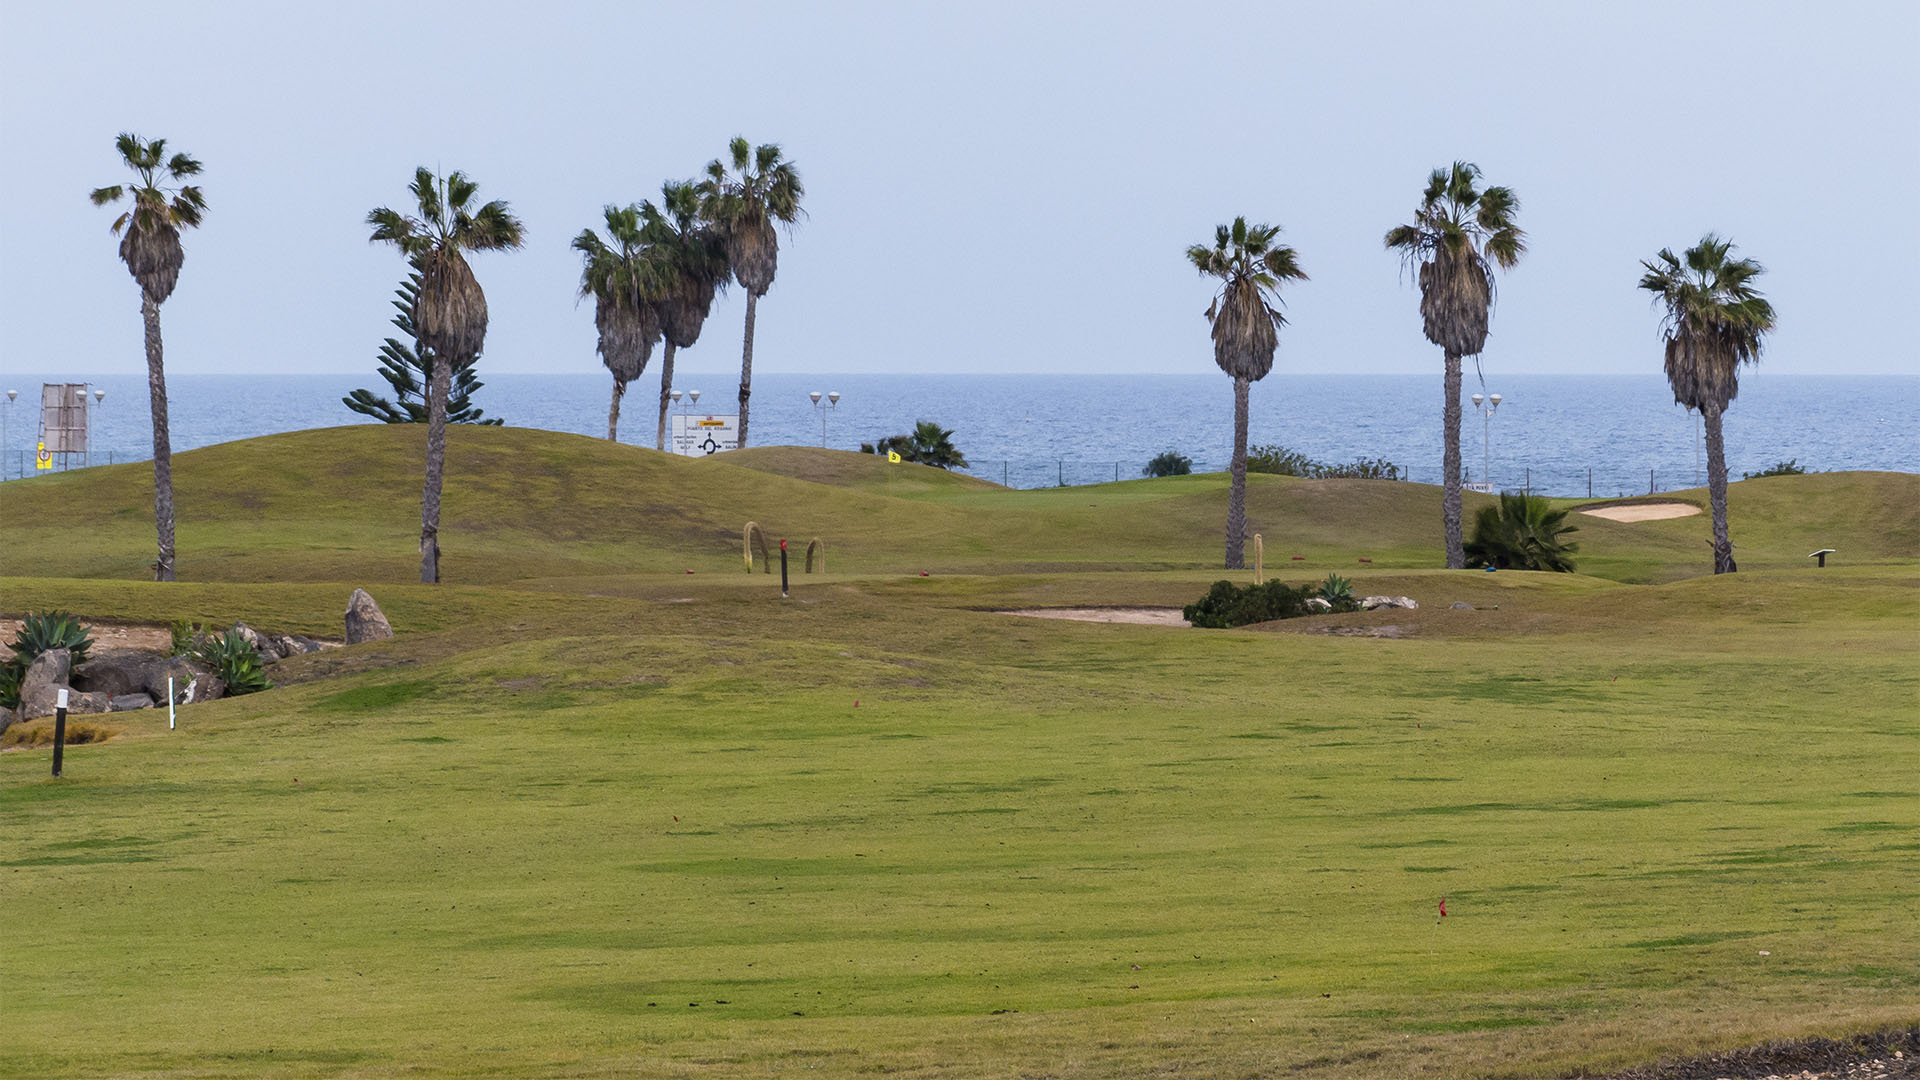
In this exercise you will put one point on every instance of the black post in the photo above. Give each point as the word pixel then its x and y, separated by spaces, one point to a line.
pixel 59 732
pixel 783 568
pixel 1589 481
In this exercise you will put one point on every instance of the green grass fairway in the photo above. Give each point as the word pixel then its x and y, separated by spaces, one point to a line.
pixel 591 816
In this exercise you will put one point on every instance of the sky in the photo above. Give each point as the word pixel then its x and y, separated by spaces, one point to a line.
pixel 994 188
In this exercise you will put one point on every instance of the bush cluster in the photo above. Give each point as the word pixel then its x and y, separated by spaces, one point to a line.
pixel 1280 461
pixel 1790 467
pixel 1168 463
pixel 1228 605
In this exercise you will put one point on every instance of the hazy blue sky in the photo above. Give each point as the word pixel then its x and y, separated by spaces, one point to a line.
pixel 991 187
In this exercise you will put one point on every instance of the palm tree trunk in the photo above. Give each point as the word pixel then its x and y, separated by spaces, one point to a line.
pixel 162 442
pixel 746 370
pixel 1450 467
pixel 1717 490
pixel 1237 497
pixel 439 388
pixel 613 410
pixel 666 391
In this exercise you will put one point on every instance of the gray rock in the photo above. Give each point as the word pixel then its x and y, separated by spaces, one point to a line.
pixel 44 678
pixel 129 702
pixel 365 620
pixel 192 681
pixel 1462 605
pixel 295 645
pixel 1315 603
pixel 116 671
pixel 261 643
pixel 1375 603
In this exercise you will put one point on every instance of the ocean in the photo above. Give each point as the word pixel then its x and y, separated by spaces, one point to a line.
pixel 1557 434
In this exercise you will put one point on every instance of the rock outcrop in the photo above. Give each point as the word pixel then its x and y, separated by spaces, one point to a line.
pixel 365 620
pixel 44 679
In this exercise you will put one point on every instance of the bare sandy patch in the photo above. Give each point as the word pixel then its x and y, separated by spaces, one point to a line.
pixel 108 635
pixel 1643 511
pixel 1139 616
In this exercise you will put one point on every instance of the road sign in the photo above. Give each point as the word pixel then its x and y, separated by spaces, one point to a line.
pixel 697 435
pixel 42 457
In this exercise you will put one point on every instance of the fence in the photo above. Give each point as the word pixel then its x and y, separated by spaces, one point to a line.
pixel 19 464
pixel 1613 480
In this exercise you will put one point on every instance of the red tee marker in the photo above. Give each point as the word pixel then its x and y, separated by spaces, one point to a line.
pixel 1443 907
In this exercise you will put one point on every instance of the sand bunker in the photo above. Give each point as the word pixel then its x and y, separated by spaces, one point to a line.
pixel 1644 511
pixel 1142 616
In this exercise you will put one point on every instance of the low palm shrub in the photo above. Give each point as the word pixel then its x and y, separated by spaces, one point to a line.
pixel 1522 533
pixel 1338 593
pixel 1790 467
pixel 1280 461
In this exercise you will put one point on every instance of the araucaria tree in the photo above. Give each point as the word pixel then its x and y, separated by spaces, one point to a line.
pixel 743 204
pixel 692 258
pixel 405 367
pixel 1246 330
pixel 621 276
pixel 149 232
pixel 1459 233
pixel 1715 321
pixel 450 311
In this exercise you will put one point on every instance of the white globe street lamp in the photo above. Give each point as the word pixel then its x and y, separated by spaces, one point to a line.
pixel 833 402
pixel 1486 407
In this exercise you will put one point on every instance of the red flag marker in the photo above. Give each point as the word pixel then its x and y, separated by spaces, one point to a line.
pixel 1443 907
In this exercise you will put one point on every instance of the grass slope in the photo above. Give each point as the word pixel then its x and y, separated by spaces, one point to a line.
pixel 583 819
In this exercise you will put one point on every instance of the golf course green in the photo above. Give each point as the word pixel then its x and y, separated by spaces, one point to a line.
pixel 608 806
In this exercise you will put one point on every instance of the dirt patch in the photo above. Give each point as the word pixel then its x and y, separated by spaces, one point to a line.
pixel 1642 511
pixel 1139 616
pixel 1888 1055
pixel 109 635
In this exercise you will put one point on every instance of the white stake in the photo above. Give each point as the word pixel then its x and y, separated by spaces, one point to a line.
pixel 169 703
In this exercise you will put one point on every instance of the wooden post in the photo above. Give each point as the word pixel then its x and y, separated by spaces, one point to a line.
pixel 783 568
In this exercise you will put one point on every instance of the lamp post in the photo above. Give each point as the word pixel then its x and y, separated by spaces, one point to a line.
pixel 833 402
pixel 1486 406
pixel 99 399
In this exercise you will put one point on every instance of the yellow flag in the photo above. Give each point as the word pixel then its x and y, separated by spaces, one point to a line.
pixel 893 457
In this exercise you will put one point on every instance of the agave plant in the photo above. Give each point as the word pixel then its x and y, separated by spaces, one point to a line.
pixel 1522 533
pixel 1338 593
pixel 40 632
pixel 235 661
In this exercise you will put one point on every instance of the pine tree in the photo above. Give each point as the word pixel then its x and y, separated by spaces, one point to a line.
pixel 401 365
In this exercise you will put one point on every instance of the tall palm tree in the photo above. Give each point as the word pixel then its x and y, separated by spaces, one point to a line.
pixel 1458 234
pixel 149 232
pixel 1246 330
pixel 1715 321
pixel 624 281
pixel 744 203
pixel 693 261
pixel 450 312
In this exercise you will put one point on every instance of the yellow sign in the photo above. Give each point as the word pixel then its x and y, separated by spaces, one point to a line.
pixel 41 458
pixel 893 457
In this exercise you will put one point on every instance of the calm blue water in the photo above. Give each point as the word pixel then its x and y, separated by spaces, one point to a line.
pixel 1041 429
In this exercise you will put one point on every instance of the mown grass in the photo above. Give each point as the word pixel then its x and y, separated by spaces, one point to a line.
pixel 588 818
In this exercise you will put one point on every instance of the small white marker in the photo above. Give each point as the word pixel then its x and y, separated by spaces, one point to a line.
pixel 60 698
pixel 169 703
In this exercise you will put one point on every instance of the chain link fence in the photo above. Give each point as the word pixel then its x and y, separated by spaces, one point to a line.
pixel 1614 480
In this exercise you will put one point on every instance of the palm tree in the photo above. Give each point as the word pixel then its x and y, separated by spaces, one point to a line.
pixel 1246 330
pixel 450 312
pixel 149 234
pixel 1715 321
pixel 1524 532
pixel 744 204
pixel 624 282
pixel 1458 234
pixel 693 260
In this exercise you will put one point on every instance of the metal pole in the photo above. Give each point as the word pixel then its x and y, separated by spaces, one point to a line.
pixel 783 568
pixel 1486 444
pixel 59 729
pixel 1589 481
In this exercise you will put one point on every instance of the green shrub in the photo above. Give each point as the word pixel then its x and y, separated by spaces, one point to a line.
pixel 1338 592
pixel 1522 533
pixel 40 632
pixel 1280 461
pixel 186 637
pixel 1228 605
pixel 927 444
pixel 1790 467
pixel 1168 463
pixel 235 661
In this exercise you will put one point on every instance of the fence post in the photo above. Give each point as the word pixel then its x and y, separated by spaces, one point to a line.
pixel 1004 466
pixel 1529 480
pixel 1650 488
pixel 1116 472
pixel 1589 481
pixel 1060 472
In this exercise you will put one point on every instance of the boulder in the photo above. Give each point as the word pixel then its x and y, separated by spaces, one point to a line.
pixel 129 702
pixel 1375 603
pixel 365 620
pixel 1317 604
pixel 192 681
pixel 295 645
pixel 1462 605
pixel 44 679
pixel 116 671
pixel 261 643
